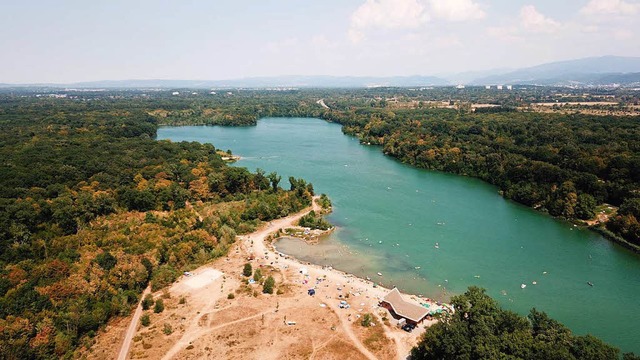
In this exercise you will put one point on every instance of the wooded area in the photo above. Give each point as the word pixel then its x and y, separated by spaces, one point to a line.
pixel 92 209
pixel 480 329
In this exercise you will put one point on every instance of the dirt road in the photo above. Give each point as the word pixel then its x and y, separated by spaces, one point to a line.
pixel 131 330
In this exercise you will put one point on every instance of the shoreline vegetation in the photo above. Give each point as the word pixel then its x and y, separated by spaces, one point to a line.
pixel 565 165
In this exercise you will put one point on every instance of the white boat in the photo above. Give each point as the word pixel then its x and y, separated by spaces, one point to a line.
pixel 379 274
pixel 522 286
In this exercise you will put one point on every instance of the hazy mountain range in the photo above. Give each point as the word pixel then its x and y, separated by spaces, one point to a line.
pixel 604 70
pixel 593 71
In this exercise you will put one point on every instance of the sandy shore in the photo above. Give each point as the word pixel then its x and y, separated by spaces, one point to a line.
pixel 213 313
pixel 330 284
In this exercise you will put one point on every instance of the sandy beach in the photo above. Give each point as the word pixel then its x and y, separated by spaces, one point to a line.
pixel 213 313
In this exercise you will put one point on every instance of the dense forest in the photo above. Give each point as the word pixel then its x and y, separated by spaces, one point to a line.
pixel 92 210
pixel 480 329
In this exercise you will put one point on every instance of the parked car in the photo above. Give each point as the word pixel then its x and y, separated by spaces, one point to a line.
pixel 408 327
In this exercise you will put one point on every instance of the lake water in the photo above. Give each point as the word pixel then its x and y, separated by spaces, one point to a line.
pixel 436 234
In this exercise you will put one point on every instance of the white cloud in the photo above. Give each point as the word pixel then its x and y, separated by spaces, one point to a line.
pixel 534 21
pixel 456 10
pixel 408 14
pixel 387 14
pixel 610 7
pixel 505 34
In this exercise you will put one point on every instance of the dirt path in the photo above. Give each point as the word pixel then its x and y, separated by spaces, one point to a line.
pixel 346 326
pixel 403 349
pixel 133 325
pixel 191 336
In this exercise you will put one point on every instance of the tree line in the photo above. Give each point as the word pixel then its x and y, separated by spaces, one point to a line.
pixel 480 329
pixel 565 165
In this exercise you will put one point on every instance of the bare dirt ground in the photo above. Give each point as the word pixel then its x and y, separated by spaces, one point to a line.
pixel 215 314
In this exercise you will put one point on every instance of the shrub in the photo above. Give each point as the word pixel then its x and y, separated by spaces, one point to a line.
pixel 144 320
pixel 257 275
pixel 366 320
pixel 324 201
pixel 247 270
pixel 159 307
pixel 167 329
pixel 183 300
pixel 147 302
pixel 268 285
pixel 231 296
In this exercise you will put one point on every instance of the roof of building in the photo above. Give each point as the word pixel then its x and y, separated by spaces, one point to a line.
pixel 404 308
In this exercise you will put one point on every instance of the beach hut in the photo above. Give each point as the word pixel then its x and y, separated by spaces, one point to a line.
pixel 401 309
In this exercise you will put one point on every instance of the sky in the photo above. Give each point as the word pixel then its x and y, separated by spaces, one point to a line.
pixel 67 41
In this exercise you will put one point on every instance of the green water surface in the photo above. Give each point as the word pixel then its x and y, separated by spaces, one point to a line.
pixel 390 218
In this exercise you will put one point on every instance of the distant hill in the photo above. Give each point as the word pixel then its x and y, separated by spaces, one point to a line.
pixel 593 71
pixel 275 81
pixel 588 71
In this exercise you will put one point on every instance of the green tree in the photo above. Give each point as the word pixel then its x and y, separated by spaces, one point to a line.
pixel 247 271
pixel 586 207
pixel 144 320
pixel 159 306
pixel 479 329
pixel 147 302
pixel 268 285
pixel 274 178
pixel 367 319
pixel 106 260
pixel 257 275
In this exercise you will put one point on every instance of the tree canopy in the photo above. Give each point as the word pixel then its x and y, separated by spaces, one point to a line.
pixel 480 329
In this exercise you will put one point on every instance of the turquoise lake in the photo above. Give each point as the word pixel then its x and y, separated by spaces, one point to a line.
pixel 436 234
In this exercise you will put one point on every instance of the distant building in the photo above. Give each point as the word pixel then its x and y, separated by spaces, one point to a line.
pixel 499 87
pixel 175 93
pixel 400 308
pixel 487 87
pixel 460 87
pixel 509 87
